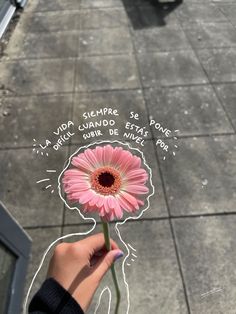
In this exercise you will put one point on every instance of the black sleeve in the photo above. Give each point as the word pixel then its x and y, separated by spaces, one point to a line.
pixel 53 298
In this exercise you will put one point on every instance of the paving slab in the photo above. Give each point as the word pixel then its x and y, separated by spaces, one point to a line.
pixel 30 203
pixel 63 44
pixel 228 97
pixel 105 41
pixel 56 5
pixel 207 254
pixel 170 68
pixel 229 10
pixel 157 291
pixel 189 13
pixel 222 2
pixel 100 3
pixel 200 178
pixel 24 118
pixel 84 104
pixel 201 1
pixel 103 18
pixel 106 73
pixel 29 77
pixel 219 63
pixel 211 35
pixel 49 21
pixel 82 49
pixel 157 206
pixel 41 239
pixel 169 38
pixel 192 110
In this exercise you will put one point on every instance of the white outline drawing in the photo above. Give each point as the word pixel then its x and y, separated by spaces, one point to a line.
pixel 175 145
pixel 132 247
pixel 38 151
pixel 127 246
pixel 43 180
pixel 48 179
pixel 100 297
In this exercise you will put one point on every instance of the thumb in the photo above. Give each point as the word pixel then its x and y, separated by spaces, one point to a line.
pixel 106 262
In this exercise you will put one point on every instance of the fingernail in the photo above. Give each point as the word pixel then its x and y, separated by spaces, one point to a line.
pixel 119 255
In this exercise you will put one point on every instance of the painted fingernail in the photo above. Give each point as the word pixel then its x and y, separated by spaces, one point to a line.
pixel 119 255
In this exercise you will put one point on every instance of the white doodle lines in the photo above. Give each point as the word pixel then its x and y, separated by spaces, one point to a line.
pixel 175 145
pixel 127 246
pixel 43 180
pixel 128 264
pixel 213 291
pixel 100 298
pixel 47 179
pixel 165 147
pixel 35 149
pixel 132 248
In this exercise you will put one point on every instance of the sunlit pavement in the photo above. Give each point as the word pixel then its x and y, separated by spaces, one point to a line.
pixel 173 63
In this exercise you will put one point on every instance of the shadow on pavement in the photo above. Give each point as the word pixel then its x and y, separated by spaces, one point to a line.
pixel 150 13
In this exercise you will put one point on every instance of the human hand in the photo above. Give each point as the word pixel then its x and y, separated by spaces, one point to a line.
pixel 80 266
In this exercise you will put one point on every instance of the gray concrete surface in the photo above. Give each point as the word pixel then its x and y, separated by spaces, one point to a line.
pixel 172 63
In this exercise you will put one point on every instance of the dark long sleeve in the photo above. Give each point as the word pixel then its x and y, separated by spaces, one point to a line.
pixel 53 298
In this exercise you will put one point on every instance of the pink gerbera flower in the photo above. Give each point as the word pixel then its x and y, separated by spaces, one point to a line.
pixel 106 180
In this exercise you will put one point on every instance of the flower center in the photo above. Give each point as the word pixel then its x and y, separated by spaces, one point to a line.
pixel 106 180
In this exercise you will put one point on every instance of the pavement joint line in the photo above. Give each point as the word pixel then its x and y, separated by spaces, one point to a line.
pixel 36 95
pixel 154 219
pixel 149 139
pixel 76 30
pixel 67 58
pixel 71 116
pixel 203 215
pixel 180 267
pixel 6 61
pixel 171 137
pixel 225 15
pixel 191 85
pixel 173 235
pixel 163 188
pixel 196 135
pixel 224 109
pixel 9 59
pixel 28 147
pixel 71 92
pixel 116 89
pixel 80 9
pixel 209 79
pixel 28 12
pixel 172 232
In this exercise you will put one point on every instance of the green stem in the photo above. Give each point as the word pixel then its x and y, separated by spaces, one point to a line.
pixel 113 272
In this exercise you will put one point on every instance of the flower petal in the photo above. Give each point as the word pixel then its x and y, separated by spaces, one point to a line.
pixel 137 189
pixel 107 155
pixel 125 204
pixel 91 157
pixel 81 163
pixel 99 154
pixel 86 197
pixel 131 199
